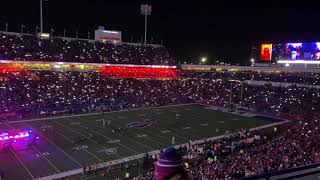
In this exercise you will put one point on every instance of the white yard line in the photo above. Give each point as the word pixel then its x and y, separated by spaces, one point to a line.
pixel 109 138
pixel 156 134
pixel 18 158
pixel 171 132
pixel 117 143
pixel 183 131
pixel 84 136
pixel 45 158
pixel 60 149
pixel 97 158
pixel 54 145
pixel 77 132
pixel 152 140
pixel 21 162
pixel 37 150
pixel 149 147
pixel 163 137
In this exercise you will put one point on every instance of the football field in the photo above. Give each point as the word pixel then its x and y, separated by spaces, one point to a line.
pixel 68 143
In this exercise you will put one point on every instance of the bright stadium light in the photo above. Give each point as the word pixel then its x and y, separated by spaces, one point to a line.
pixel 203 60
pixel 252 61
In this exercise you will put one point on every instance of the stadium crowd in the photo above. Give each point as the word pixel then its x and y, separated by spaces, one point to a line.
pixel 47 93
pixel 43 93
pixel 31 48
pixel 307 78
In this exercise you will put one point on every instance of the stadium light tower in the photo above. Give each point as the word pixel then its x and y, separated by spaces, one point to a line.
pixel 146 11
pixel 41 17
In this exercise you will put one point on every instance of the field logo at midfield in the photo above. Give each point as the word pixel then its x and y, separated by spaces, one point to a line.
pixel 143 124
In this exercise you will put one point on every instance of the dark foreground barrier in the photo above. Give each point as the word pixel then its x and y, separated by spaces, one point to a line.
pixel 302 172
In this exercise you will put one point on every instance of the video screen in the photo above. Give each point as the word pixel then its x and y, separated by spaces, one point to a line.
pixel 266 52
pixel 296 51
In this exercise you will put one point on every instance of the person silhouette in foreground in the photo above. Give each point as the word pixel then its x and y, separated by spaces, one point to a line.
pixel 170 166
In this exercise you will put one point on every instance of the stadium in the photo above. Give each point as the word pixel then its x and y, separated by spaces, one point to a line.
pixel 103 108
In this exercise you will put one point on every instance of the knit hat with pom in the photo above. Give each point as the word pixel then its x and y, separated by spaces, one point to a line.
pixel 169 163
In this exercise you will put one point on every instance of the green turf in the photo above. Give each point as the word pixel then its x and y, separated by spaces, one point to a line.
pixel 195 122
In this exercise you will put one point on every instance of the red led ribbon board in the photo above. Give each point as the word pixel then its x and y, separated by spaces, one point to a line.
pixel 139 72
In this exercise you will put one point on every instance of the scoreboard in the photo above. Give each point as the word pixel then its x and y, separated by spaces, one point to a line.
pixel 106 35
pixel 266 52
pixel 291 52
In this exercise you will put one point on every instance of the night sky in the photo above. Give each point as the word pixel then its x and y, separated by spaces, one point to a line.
pixel 189 29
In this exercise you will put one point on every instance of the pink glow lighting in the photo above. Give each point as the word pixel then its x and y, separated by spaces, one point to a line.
pixel 14 135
